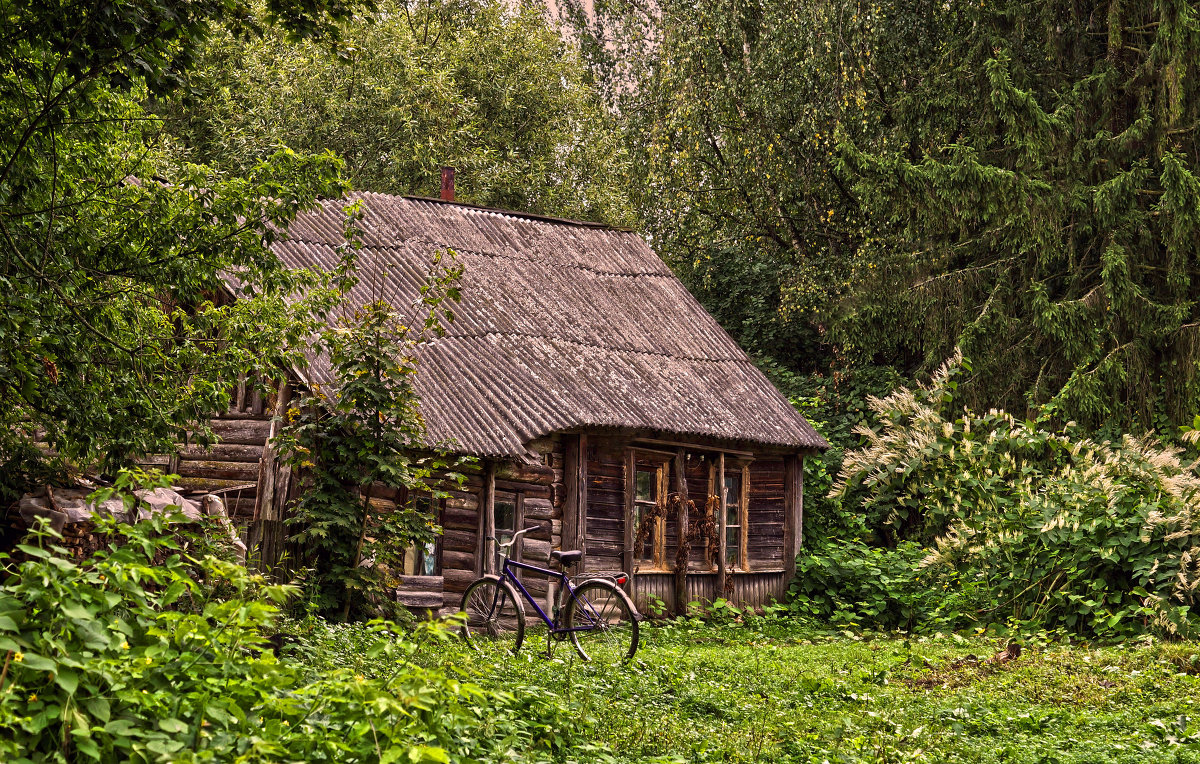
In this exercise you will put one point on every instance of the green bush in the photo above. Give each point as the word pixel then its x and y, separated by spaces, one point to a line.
pixel 1016 522
pixel 849 583
pixel 129 656
pixel 836 405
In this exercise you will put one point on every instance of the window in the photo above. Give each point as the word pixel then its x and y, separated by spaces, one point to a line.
pixel 423 559
pixel 647 474
pixel 733 520
pixel 506 516
pixel 645 499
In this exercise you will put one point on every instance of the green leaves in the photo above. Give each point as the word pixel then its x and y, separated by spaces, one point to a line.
pixel 1029 192
pixel 1013 521
pixel 115 334
pixel 489 88
pixel 732 122
pixel 364 431
pixel 195 680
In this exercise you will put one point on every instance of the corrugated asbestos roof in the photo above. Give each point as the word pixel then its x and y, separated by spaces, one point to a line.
pixel 561 326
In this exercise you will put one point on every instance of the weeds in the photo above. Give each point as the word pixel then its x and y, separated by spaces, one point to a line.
pixel 769 690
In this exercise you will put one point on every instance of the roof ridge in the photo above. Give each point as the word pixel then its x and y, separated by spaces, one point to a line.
pixel 424 240
pixel 476 335
pixel 502 211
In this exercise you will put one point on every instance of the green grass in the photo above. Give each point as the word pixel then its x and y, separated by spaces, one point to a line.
pixel 772 691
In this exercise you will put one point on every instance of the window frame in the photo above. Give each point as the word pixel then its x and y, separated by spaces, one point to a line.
pixel 740 470
pixel 437 508
pixel 734 503
pixel 518 501
pixel 743 470
pixel 657 463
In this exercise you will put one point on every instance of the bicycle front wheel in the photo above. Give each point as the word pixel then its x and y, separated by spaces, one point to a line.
pixel 603 622
pixel 493 612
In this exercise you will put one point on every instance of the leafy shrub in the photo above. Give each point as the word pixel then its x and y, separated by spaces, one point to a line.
pixel 128 656
pixel 362 431
pixel 524 718
pixel 849 583
pixel 836 405
pixel 1061 530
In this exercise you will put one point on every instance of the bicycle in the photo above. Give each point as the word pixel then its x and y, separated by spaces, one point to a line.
pixel 598 617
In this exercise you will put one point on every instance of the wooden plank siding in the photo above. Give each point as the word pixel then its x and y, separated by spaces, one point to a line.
pixel 604 541
pixel 765 495
pixel 749 589
pixel 765 539
pixel 699 485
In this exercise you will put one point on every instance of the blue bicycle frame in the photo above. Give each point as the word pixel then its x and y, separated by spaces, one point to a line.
pixel 507 574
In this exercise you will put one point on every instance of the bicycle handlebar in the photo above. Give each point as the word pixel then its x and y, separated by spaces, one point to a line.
pixel 513 538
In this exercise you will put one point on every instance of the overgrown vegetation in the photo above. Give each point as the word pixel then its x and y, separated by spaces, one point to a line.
pixel 769 690
pixel 150 651
pixel 982 519
pixel 489 88
pixel 113 341
pixel 362 432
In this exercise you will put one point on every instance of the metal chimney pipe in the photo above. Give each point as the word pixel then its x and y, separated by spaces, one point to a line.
pixel 447 184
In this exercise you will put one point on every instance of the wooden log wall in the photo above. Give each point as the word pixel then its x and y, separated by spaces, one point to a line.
pixel 460 537
pixel 605 527
pixel 533 486
pixel 699 487
pixel 229 464
pixel 233 462
pixel 553 452
pixel 766 536
pixel 765 492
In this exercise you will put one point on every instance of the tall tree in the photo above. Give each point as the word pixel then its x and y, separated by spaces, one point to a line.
pixel 111 341
pixel 1037 203
pixel 734 109
pixel 362 430
pixel 489 87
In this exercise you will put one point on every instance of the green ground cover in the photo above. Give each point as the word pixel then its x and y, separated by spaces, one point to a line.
pixel 773 691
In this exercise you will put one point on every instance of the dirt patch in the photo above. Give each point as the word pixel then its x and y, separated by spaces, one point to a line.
pixel 962 671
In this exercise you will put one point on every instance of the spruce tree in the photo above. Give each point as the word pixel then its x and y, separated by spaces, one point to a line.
pixel 1033 198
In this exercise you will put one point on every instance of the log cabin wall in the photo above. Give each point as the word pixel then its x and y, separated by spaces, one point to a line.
pixel 531 487
pixel 759 571
pixel 230 467
pixel 534 491
pixel 460 538
pixel 241 466
pixel 540 492
pixel 604 539
pixel 766 516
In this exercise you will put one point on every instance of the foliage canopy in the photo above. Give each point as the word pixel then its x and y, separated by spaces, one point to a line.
pixel 1035 201
pixel 114 339
pixel 488 87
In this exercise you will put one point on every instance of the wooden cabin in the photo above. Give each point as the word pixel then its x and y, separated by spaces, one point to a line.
pixel 594 390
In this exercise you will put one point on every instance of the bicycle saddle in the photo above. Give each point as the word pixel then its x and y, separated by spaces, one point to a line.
pixel 567 558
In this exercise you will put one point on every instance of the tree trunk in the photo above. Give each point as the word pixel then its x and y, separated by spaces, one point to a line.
pixel 362 535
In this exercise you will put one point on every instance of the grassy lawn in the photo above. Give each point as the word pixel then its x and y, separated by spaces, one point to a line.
pixel 772 691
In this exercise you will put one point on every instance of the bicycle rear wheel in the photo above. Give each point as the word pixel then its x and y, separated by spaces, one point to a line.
pixel 603 621
pixel 493 612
